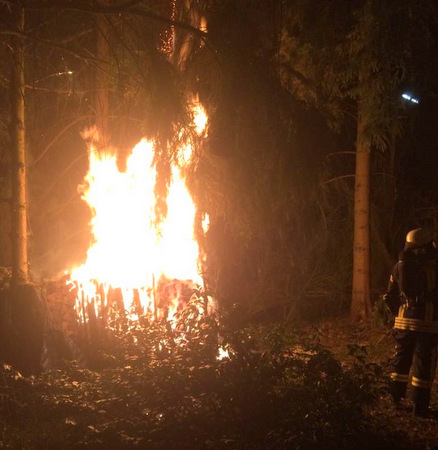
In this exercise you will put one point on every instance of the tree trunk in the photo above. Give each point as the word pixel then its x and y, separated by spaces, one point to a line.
pixel 360 302
pixel 101 79
pixel 187 11
pixel 20 269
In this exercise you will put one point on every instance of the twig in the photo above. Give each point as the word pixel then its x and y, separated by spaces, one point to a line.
pixel 339 178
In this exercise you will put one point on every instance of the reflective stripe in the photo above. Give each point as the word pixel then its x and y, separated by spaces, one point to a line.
pixel 402 378
pixel 426 384
pixel 423 323
pixel 401 310
pixel 426 326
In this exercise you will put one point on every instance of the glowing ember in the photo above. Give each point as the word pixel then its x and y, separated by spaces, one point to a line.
pixel 222 353
pixel 134 264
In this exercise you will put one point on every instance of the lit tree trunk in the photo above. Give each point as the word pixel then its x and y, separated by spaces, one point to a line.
pixel 25 325
pixel 187 11
pixel 101 79
pixel 20 269
pixel 360 302
pixel 392 175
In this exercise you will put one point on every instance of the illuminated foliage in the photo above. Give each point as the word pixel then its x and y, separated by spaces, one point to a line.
pixel 162 388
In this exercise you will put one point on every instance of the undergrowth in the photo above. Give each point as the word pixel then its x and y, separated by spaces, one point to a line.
pixel 163 387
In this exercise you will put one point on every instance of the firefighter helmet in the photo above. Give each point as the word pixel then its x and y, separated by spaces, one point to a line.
pixel 419 237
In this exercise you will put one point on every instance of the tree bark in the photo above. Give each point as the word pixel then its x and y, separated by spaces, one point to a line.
pixel 360 302
pixel 20 267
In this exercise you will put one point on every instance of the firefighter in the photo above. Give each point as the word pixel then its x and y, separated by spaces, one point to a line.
pixel 412 297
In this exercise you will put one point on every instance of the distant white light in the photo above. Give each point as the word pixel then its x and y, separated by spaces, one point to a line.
pixel 410 98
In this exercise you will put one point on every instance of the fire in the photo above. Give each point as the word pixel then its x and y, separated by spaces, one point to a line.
pixel 133 262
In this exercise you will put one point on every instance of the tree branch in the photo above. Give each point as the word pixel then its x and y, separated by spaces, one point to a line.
pixel 352 175
pixel 88 59
pixel 41 155
pixel 341 153
pixel 61 175
pixel 127 7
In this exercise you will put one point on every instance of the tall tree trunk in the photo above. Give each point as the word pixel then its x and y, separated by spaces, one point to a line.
pixel 101 78
pixel 25 325
pixel 360 302
pixel 20 269
pixel 187 11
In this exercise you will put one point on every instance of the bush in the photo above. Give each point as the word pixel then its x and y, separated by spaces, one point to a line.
pixel 165 387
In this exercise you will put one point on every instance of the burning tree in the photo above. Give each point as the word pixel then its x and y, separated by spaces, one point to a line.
pixel 135 262
pixel 146 294
pixel 269 237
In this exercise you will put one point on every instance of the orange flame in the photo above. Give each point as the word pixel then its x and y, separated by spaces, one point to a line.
pixel 143 266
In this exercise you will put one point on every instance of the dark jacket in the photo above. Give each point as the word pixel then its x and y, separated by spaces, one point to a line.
pixel 424 316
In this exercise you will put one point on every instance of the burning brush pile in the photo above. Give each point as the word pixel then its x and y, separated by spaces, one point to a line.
pixel 137 266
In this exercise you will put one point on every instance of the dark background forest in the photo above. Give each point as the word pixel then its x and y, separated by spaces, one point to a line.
pixel 293 90
pixel 281 85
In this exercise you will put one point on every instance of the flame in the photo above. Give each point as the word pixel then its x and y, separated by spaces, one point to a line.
pixel 133 261
pixel 200 118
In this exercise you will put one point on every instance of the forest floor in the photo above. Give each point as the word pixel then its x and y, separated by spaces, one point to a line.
pixel 321 386
pixel 374 347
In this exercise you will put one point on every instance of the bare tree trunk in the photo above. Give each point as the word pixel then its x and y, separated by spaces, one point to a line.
pixel 391 186
pixel 25 324
pixel 360 302
pixel 20 268
pixel 101 79
pixel 188 11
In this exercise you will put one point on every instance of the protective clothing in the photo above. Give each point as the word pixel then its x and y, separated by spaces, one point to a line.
pixel 416 323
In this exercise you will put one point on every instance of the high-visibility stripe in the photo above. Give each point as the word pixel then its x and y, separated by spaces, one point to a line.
pixel 426 326
pixel 423 323
pixel 401 377
pixel 401 310
pixel 417 382
pixel 418 323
